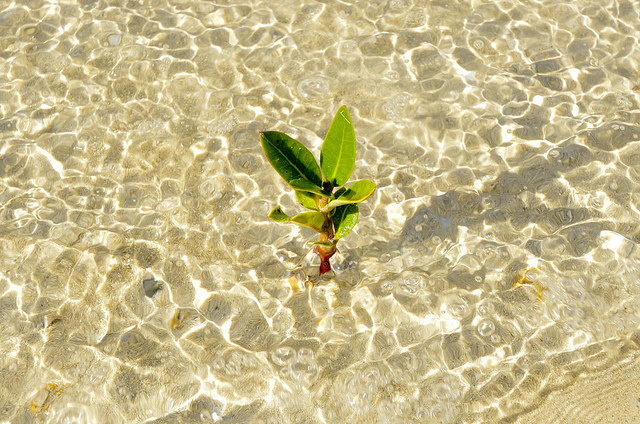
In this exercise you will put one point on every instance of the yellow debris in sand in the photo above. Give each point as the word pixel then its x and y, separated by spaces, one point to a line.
pixel 294 283
pixel 43 398
pixel 523 278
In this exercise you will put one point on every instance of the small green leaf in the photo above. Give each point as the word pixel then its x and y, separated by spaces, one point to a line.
pixel 278 215
pixel 313 220
pixel 306 185
pixel 338 153
pixel 322 243
pixel 345 218
pixel 306 199
pixel 290 158
pixel 355 193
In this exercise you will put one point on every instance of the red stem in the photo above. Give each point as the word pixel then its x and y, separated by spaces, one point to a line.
pixel 325 266
pixel 325 252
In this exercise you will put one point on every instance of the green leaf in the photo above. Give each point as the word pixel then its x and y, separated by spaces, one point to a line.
pixel 345 217
pixel 290 158
pixel 278 215
pixel 306 185
pixel 355 193
pixel 338 153
pixel 306 199
pixel 339 192
pixel 313 220
pixel 322 243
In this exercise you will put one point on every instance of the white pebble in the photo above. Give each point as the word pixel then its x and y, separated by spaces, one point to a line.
pixel 114 39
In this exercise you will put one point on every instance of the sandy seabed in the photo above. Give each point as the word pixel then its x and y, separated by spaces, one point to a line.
pixel 493 276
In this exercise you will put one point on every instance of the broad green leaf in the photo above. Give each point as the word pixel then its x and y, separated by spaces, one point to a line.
pixel 306 199
pixel 338 153
pixel 313 220
pixel 306 185
pixel 278 215
pixel 355 193
pixel 345 218
pixel 339 192
pixel 290 158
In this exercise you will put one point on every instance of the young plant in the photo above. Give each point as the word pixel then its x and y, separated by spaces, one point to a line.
pixel 334 213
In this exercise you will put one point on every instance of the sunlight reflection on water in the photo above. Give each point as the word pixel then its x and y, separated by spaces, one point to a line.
pixel 140 280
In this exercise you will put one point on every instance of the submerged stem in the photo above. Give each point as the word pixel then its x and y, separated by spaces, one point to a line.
pixel 325 266
pixel 327 235
pixel 325 253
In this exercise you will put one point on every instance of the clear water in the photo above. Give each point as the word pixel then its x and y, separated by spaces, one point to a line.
pixel 494 271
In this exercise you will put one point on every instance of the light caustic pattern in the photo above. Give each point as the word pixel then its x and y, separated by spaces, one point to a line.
pixel 495 269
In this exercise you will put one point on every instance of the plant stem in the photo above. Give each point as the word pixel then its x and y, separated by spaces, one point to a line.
pixel 325 252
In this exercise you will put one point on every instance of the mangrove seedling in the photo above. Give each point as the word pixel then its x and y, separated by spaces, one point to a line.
pixel 334 214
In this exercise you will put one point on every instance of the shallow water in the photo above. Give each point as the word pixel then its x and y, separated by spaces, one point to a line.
pixel 495 268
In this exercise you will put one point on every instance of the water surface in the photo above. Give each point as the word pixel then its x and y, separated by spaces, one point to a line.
pixel 494 271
